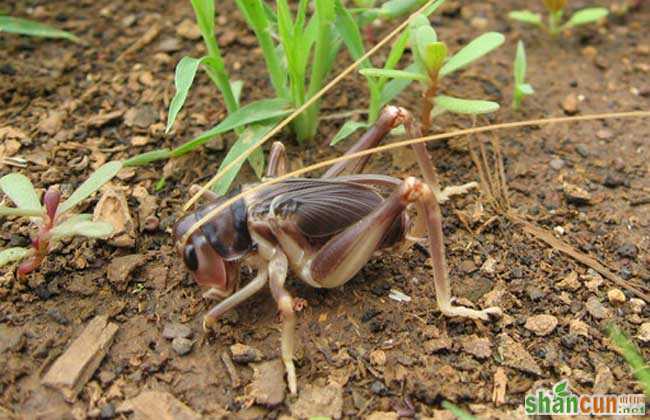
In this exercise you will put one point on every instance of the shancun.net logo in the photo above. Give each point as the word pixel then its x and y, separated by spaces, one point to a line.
pixel 561 401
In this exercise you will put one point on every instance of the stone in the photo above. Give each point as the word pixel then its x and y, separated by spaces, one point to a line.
pixel 570 282
pixel 637 305
pixel 616 296
pixel 158 405
pixel 627 250
pixel 596 309
pixel 182 346
pixel 189 30
pixel 582 150
pixel 541 325
pixel 140 117
pixel 120 268
pixel 557 164
pixel 468 266
pixel 169 45
pixel 173 330
pixel 267 387
pixel 10 338
pixel 479 347
pixel 576 195
pixel 578 327
pixel 570 104
pixel 113 208
pixel 378 357
pixel 604 380
pixel 383 415
pixel 516 356
pixel 53 123
pixel 644 332
pixel 242 353
pixel 437 344
pixel 321 401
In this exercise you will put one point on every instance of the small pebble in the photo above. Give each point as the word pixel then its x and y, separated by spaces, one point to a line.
pixel 616 296
pixel 107 411
pixel 637 305
pixel 479 22
pixel 468 266
pixel 596 309
pixel 541 325
pixel 182 346
pixel 613 181
pixel 582 150
pixel 570 104
pixel 644 332
pixel 174 330
pixel 604 134
pixel 577 327
pixel 628 250
pixel 57 316
pixel 378 388
pixel 557 164
pixel 188 30
pixel 242 353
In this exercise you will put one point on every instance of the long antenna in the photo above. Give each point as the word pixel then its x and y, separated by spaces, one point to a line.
pixel 456 133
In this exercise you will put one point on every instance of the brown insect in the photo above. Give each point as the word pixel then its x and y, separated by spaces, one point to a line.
pixel 323 230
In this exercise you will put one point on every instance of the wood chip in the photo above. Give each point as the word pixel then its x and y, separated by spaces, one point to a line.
pixel 516 356
pixel 104 118
pixel 145 40
pixel 500 386
pixel 157 405
pixel 75 367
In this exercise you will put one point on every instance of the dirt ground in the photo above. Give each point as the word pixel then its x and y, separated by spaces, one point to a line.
pixel 69 108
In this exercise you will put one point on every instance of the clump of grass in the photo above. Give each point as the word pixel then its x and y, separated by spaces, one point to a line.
pixel 28 27
pixel 632 357
pixel 555 10
pixel 53 219
pixel 521 88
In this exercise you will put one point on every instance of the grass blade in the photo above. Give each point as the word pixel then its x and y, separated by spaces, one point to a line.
pixel 588 15
pixel 526 17
pixel 347 130
pixel 394 74
pixel 457 411
pixel 465 106
pixel 251 136
pixel 86 228
pixel 252 113
pixel 632 357
pixel 520 63
pixel 349 30
pixel 13 211
pixel 21 191
pixel 12 254
pixel 183 79
pixel 94 182
pixel 480 46
pixel 29 27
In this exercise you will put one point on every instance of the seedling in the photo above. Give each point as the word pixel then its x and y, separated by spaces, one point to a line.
pixel 632 356
pixel 29 27
pixel 555 10
pixel 521 88
pixel 431 63
pixel 53 218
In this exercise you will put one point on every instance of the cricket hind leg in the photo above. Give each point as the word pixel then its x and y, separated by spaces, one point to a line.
pixel 277 165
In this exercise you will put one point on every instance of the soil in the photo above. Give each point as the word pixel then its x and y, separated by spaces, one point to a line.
pixel 67 108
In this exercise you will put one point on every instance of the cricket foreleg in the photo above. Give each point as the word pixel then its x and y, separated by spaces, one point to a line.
pixel 236 298
pixel 278 267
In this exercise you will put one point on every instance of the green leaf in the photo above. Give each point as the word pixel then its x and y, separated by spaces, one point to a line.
pixel 394 74
pixel 480 46
pixel 520 63
pixel 397 50
pixel 236 86
pixel 28 27
pixel 588 15
pixel 13 211
pixel 457 411
pixel 433 55
pixel 12 254
pixel 251 136
pixel 80 227
pixel 94 182
pixel 526 89
pixel 465 106
pixel 432 7
pixel 348 29
pixel 183 79
pixel 396 86
pixel 264 109
pixel 346 130
pixel 147 157
pixel 395 8
pixel 526 17
pixel 21 191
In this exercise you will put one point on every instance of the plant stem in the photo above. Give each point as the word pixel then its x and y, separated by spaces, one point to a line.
pixel 375 101
pixel 253 11
pixel 554 20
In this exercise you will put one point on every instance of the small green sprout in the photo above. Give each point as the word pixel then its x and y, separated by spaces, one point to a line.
pixel 53 218
pixel 29 27
pixel 432 62
pixel 521 88
pixel 632 356
pixel 555 10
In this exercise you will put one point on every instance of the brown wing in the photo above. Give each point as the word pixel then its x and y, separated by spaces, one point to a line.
pixel 320 208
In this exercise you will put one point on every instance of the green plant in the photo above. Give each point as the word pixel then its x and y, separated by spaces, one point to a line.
pixel 29 27
pixel 457 411
pixel 555 10
pixel 632 356
pixel 431 63
pixel 53 218
pixel 521 88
